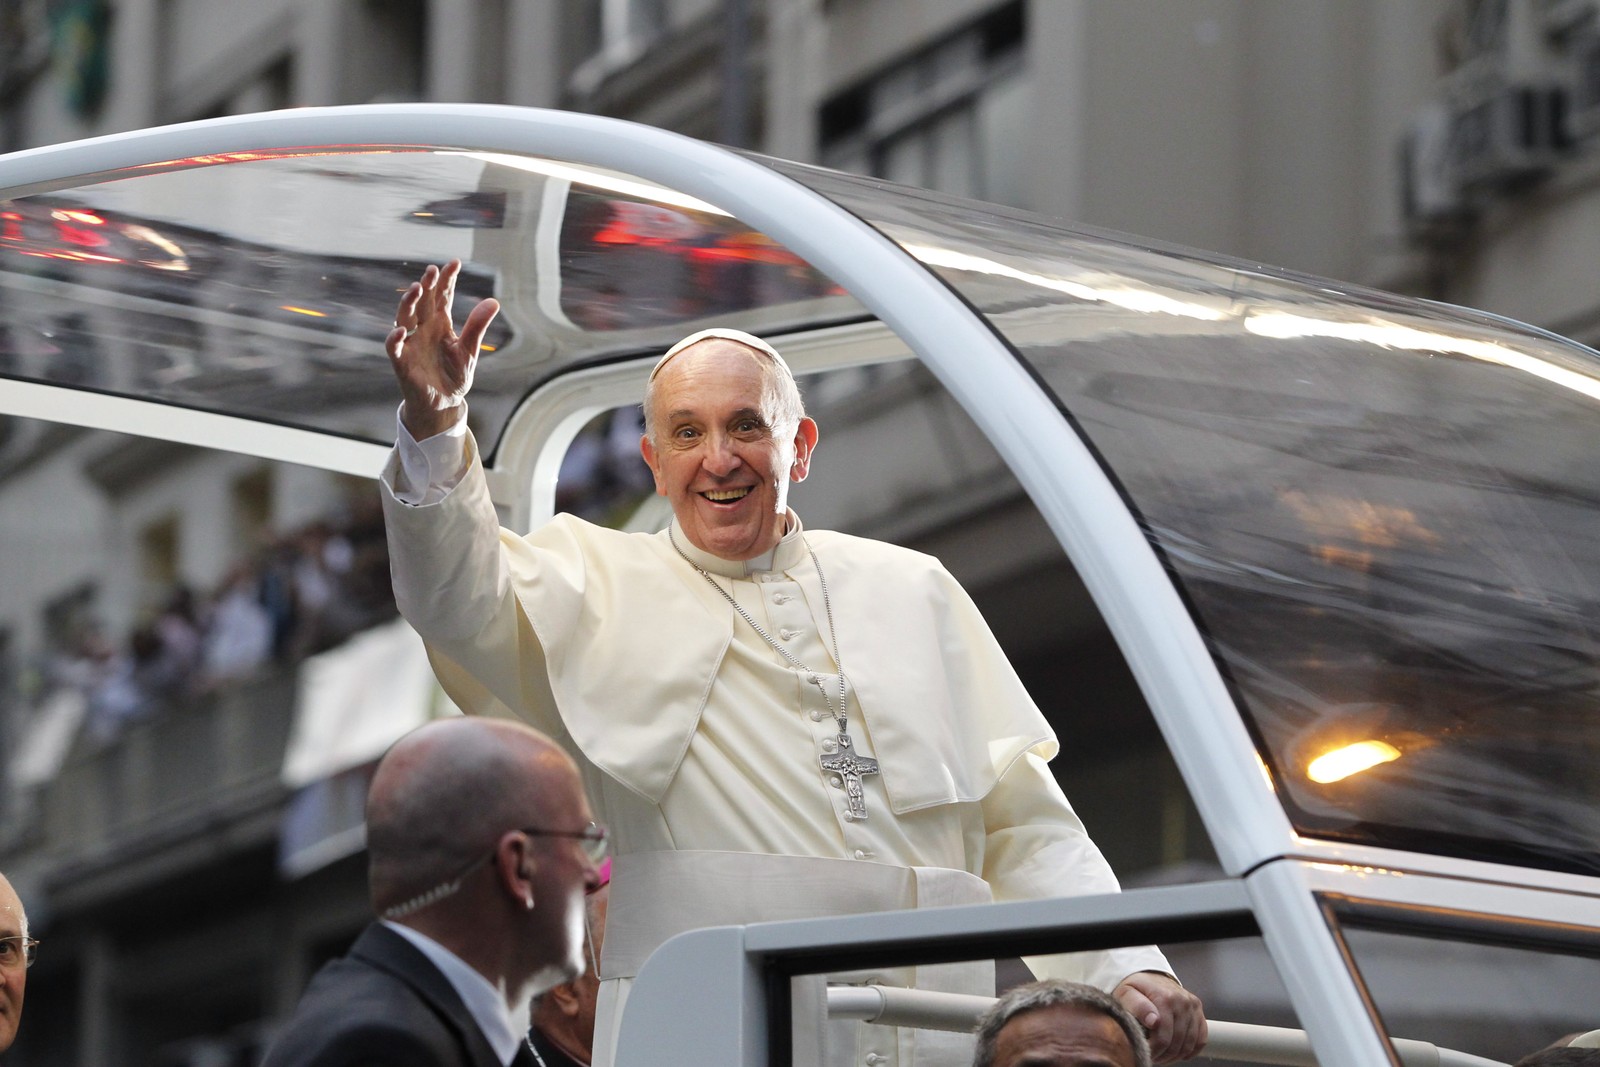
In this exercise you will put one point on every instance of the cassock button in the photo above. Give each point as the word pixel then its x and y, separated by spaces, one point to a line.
pixel 788 635
pixel 830 745
pixel 817 714
pixel 782 598
pixel 835 780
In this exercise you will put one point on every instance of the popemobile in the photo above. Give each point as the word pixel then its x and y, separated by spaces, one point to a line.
pixel 1345 544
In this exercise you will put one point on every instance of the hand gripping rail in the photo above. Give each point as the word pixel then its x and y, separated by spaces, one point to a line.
pixel 1243 1042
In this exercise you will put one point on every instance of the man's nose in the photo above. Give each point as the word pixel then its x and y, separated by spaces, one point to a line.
pixel 720 458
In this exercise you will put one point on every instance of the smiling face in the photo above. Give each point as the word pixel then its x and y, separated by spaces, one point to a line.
pixel 718 451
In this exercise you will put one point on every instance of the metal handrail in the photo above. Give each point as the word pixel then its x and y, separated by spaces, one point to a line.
pixel 1241 1042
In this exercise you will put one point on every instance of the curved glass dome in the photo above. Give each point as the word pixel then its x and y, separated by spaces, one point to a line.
pixel 192 281
pixel 1385 515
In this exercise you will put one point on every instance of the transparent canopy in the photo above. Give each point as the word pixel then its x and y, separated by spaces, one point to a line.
pixel 262 286
pixel 1384 514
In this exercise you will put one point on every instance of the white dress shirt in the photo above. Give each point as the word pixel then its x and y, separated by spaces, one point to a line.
pixel 503 1026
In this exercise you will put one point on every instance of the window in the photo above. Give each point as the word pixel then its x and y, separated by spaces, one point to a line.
pixel 950 117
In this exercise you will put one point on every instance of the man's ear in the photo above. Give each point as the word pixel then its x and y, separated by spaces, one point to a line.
pixel 647 449
pixel 805 442
pixel 514 867
pixel 564 998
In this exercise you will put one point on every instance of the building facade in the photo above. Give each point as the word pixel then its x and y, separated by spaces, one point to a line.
pixel 184 884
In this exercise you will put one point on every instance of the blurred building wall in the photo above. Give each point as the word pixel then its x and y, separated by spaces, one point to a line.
pixel 1297 135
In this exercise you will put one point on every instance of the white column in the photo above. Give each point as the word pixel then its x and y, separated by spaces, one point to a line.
pixel 135 67
pixel 452 59
pixel 319 42
pixel 534 72
pixel 796 66
pixel 1056 51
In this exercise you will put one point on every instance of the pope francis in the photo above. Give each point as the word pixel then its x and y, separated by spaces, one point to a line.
pixel 775 722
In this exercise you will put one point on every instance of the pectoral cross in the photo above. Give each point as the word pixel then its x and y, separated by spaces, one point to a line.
pixel 851 767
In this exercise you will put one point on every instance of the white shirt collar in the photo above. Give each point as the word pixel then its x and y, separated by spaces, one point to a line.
pixel 503 1029
pixel 788 552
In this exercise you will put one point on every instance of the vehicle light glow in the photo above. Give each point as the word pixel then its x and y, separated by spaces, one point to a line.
pixel 1346 760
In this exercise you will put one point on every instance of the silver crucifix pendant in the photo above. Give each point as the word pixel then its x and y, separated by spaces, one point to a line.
pixel 850 768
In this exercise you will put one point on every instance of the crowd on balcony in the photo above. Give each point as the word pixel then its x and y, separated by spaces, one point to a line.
pixel 303 592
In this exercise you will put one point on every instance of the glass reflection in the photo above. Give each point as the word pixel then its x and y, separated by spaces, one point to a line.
pixel 1493 1001
pixel 1383 513
pixel 262 284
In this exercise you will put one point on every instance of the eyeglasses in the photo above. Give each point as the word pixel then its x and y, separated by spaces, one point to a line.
pixel 17 949
pixel 596 840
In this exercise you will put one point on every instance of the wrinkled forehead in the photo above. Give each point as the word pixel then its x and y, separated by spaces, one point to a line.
pixel 714 372
pixel 748 340
pixel 12 919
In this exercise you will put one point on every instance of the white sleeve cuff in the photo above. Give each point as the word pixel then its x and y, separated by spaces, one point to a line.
pixel 431 468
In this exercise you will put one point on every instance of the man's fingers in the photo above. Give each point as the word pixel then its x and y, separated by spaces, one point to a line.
pixel 1176 1041
pixel 478 321
pixel 394 342
pixel 447 288
pixel 1161 1037
pixel 1198 1037
pixel 406 313
pixel 1173 1017
pixel 1158 1029
pixel 1141 1007
pixel 1182 1033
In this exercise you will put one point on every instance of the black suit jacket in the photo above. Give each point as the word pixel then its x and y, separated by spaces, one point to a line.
pixel 382 1005
pixel 548 1054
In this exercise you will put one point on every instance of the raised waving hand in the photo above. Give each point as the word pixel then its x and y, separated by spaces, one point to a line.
pixel 432 362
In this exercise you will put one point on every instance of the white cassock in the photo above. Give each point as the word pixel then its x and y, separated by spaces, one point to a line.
pixel 700 745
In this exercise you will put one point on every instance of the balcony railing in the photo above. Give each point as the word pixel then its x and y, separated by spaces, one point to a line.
pixel 208 763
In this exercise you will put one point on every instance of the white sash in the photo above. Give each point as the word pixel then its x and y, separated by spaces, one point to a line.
pixel 657 895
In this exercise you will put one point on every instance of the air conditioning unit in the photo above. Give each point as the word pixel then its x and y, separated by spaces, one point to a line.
pixel 1432 199
pixel 1583 86
pixel 1504 132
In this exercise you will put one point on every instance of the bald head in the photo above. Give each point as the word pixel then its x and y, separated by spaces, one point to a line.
pixel 443 794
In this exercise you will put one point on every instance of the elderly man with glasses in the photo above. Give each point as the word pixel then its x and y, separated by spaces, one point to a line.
pixel 16 956
pixel 481 849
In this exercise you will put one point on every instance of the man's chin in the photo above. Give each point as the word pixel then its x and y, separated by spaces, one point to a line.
pixel 739 542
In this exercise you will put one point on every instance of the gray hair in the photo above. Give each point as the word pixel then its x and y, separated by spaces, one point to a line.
pixel 781 392
pixel 1050 993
